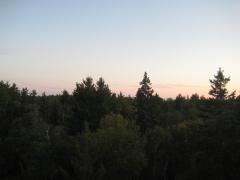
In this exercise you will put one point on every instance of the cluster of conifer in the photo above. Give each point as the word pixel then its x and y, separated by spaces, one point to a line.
pixel 93 133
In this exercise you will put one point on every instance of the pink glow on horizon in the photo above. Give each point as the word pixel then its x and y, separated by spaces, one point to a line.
pixel 163 90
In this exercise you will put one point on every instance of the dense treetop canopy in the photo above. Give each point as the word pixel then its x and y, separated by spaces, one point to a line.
pixel 93 133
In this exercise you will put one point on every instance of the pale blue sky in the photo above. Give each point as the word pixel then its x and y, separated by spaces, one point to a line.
pixel 50 45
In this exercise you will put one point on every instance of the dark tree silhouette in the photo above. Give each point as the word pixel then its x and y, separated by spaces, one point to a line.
pixel 93 133
pixel 218 85
pixel 144 95
pixel 145 91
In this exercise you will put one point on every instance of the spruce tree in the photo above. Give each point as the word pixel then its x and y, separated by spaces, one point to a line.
pixel 145 91
pixel 218 85
pixel 144 94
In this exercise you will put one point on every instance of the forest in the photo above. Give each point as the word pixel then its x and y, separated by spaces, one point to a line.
pixel 95 134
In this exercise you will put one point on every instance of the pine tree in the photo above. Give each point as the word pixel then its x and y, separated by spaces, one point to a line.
pixel 145 91
pixel 144 94
pixel 218 85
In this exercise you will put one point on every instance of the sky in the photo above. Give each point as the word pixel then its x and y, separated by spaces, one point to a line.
pixel 51 45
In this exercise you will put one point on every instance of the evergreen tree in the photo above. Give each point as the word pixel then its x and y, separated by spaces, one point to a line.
pixel 218 85
pixel 145 91
pixel 84 98
pixel 96 134
pixel 144 94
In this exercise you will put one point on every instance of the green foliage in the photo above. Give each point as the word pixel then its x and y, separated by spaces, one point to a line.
pixel 116 149
pixel 218 85
pixel 145 91
pixel 143 100
pixel 93 133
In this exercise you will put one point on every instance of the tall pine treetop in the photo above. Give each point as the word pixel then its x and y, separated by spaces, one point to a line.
pixel 145 90
pixel 218 85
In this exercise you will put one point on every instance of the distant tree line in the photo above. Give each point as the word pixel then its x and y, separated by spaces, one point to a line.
pixel 95 134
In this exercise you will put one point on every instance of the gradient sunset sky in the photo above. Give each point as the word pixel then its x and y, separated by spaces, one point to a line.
pixel 49 45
